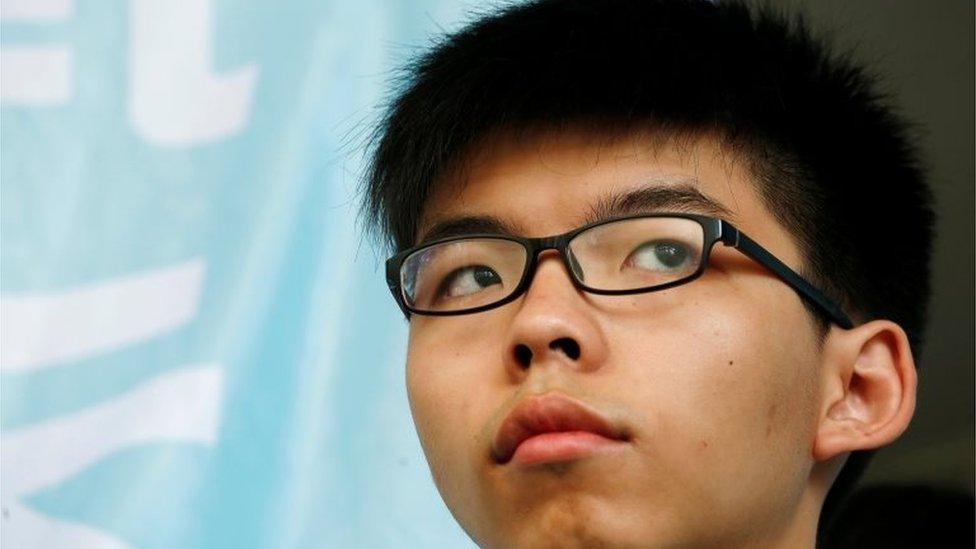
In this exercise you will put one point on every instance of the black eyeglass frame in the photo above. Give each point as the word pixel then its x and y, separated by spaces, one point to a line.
pixel 714 229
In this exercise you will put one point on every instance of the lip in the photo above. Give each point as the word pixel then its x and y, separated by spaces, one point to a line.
pixel 553 427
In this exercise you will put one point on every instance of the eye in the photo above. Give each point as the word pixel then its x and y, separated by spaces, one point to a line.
pixel 661 255
pixel 468 280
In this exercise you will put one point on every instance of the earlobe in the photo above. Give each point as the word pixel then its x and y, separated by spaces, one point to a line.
pixel 868 390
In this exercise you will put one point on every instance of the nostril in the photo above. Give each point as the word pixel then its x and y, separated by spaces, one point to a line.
pixel 523 355
pixel 568 346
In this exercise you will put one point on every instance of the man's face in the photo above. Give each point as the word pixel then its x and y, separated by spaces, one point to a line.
pixel 715 380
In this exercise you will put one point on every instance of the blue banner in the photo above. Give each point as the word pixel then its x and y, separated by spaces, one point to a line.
pixel 198 347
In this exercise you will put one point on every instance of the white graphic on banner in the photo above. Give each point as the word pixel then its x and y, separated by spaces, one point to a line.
pixel 36 75
pixel 25 528
pixel 181 405
pixel 34 11
pixel 174 99
pixel 178 406
pixel 42 330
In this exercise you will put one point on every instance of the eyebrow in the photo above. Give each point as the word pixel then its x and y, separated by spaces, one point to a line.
pixel 653 198
pixel 469 224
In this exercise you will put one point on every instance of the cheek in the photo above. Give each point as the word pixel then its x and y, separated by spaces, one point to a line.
pixel 448 375
pixel 446 385
pixel 725 389
pixel 429 377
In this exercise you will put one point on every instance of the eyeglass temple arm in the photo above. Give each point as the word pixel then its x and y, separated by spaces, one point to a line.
pixel 732 236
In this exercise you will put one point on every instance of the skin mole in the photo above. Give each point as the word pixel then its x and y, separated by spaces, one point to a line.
pixel 770 416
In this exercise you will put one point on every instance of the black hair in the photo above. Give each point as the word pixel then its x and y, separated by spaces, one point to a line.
pixel 832 159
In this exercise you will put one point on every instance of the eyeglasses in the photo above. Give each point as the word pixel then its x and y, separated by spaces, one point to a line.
pixel 619 256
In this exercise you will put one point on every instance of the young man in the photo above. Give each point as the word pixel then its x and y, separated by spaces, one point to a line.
pixel 665 265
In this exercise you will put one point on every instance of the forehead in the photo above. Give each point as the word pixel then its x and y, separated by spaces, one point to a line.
pixel 548 182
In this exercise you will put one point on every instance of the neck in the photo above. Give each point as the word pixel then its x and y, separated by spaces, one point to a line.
pixel 800 531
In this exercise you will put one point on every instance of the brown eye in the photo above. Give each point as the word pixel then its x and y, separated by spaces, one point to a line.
pixel 468 280
pixel 661 255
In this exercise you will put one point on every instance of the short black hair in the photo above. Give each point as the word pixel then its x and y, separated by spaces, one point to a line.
pixel 832 159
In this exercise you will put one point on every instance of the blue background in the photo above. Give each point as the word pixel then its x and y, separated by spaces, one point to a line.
pixel 314 446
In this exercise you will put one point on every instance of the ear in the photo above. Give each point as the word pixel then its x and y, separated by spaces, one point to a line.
pixel 868 389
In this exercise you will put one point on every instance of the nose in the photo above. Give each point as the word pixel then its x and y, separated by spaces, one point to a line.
pixel 554 324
